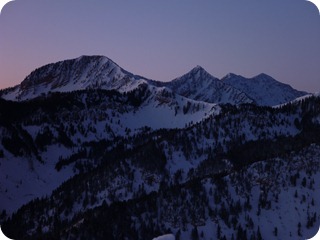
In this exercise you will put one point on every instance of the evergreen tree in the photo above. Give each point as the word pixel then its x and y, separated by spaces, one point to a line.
pixel 194 234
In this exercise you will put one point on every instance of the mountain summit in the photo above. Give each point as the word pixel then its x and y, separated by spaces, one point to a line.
pixel 263 89
pixel 85 72
pixel 198 84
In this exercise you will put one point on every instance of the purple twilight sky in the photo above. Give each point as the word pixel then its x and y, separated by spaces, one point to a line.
pixel 164 39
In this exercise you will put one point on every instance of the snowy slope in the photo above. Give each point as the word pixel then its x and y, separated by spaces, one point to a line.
pixel 85 72
pixel 263 89
pixel 90 116
pixel 166 109
pixel 105 120
pixel 222 173
pixel 165 237
pixel 21 183
pixel 108 120
pixel 198 84
pixel 299 99
pixel 269 198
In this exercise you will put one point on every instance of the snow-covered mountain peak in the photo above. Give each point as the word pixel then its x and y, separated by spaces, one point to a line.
pixel 263 89
pixel 49 73
pixel 92 58
pixel 266 79
pixel 100 72
pixel 85 72
pixel 197 69
pixel 198 84
pixel 263 76
pixel 196 77
pixel 230 75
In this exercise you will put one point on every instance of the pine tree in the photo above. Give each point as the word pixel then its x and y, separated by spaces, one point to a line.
pixel 195 234
pixel 275 231
pixel 299 229
pixel 218 231
pixel 259 237
pixel 178 235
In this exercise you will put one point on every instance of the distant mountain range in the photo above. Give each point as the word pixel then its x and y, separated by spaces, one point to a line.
pixel 263 89
pixel 89 150
pixel 98 72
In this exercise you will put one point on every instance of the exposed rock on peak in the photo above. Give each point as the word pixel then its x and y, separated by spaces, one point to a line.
pixel 263 89
pixel 85 72
pixel 198 84
pixel 99 72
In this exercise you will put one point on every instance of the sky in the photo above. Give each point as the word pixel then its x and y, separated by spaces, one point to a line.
pixel 164 39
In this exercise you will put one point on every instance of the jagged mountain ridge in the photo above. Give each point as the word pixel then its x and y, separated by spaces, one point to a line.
pixel 99 72
pixel 198 84
pixel 263 89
